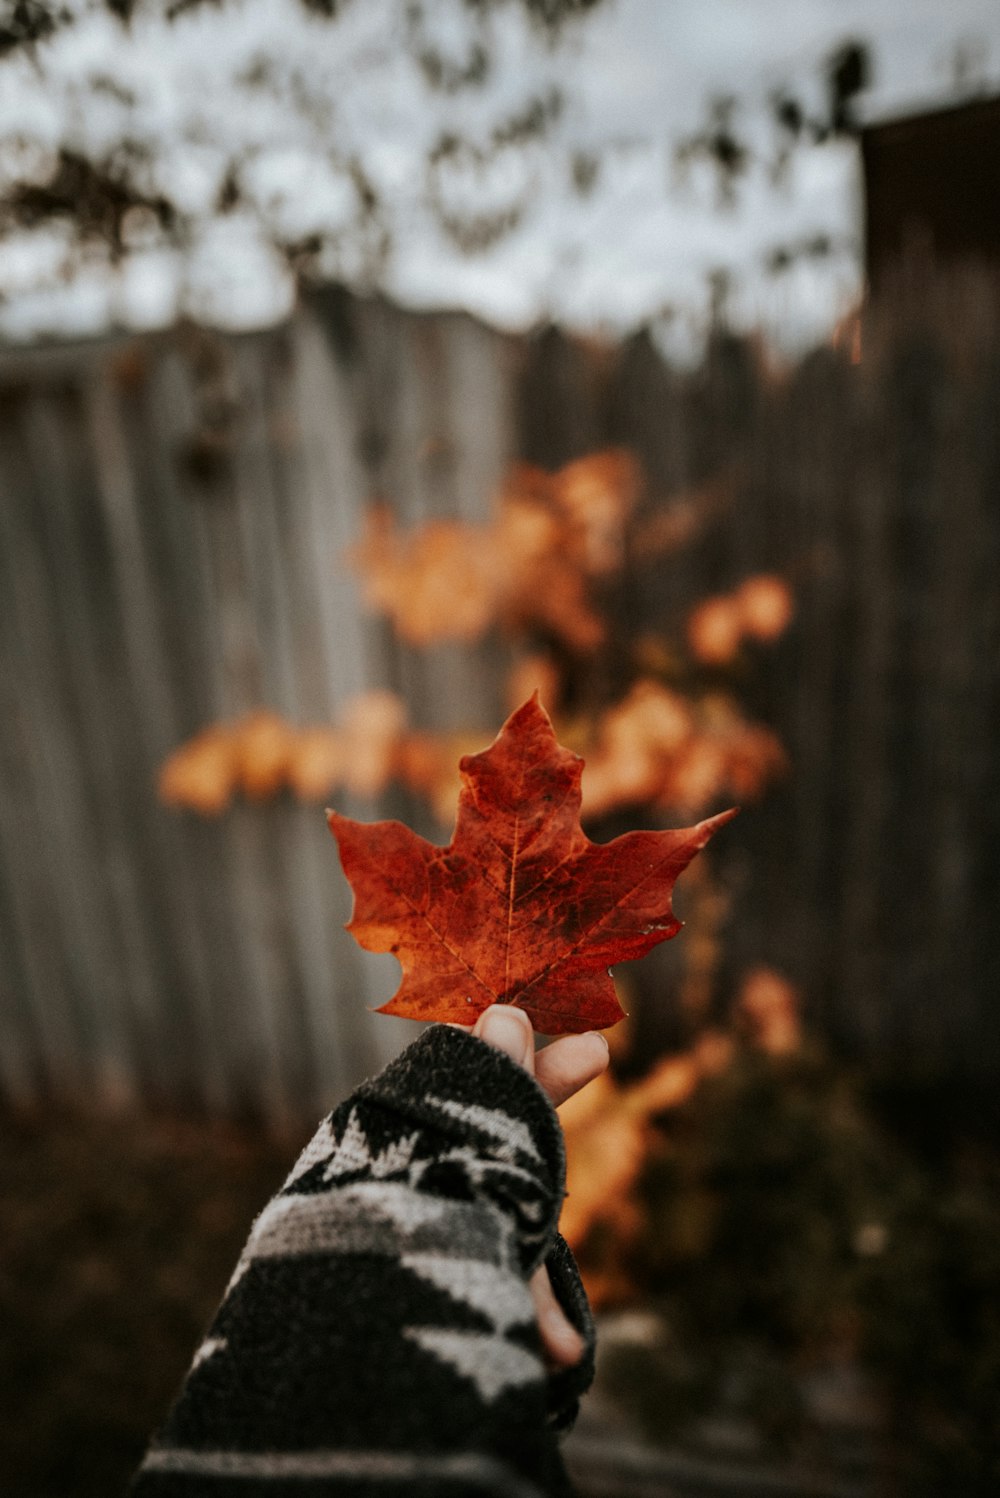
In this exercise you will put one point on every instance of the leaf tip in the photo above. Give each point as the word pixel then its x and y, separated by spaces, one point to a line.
pixel 535 702
pixel 532 708
pixel 711 825
pixel 337 823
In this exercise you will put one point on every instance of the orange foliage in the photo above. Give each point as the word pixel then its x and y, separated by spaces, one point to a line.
pixel 318 764
pixel 606 1145
pixel 373 727
pixel 769 1005
pixel 714 630
pixel 766 606
pixel 531 565
pixel 436 584
pixel 654 747
pixel 611 1130
pixel 597 494
pixel 201 774
pixel 534 568
pixel 637 740
pixel 263 745
pixel 761 608
pixel 262 754
pixel 677 753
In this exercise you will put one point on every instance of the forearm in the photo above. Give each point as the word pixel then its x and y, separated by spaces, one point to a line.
pixel 378 1334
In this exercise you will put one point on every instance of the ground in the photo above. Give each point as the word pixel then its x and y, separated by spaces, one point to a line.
pixel 119 1235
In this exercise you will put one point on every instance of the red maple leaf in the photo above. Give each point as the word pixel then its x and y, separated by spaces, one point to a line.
pixel 521 907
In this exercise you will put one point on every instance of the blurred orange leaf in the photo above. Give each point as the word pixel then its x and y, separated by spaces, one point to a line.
pixel 609 1136
pixel 769 1004
pixel 201 774
pixel 262 755
pixel 766 606
pixel 678 753
pixel 263 745
pixel 317 764
pixel 714 631
pixel 761 608
pixel 531 565
pixel 373 724
pixel 436 584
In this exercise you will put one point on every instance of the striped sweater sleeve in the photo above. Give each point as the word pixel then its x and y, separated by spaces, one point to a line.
pixel 378 1335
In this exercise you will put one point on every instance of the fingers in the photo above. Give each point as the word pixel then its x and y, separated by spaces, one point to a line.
pixel 509 1029
pixel 562 1069
pixel 561 1342
pixel 565 1066
pixel 569 1063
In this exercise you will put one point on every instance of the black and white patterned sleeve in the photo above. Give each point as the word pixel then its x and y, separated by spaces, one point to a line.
pixel 378 1335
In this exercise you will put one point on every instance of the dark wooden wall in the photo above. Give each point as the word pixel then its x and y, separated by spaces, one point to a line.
pixel 173 512
pixel 932 189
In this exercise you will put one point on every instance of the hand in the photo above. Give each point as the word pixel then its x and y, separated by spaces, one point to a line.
pixel 561 1069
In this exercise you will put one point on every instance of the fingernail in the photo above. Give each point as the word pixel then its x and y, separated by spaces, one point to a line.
pixel 506 1029
pixel 599 1035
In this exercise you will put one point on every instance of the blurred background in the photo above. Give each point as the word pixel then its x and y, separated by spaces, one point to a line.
pixel 363 368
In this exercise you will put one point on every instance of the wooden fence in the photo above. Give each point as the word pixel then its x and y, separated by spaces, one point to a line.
pixel 173 514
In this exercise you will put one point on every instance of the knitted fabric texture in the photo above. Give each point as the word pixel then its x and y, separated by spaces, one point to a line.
pixel 378 1335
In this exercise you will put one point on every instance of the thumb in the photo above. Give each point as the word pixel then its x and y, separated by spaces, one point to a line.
pixel 508 1029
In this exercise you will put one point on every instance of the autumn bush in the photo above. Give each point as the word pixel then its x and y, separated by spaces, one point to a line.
pixel 549 574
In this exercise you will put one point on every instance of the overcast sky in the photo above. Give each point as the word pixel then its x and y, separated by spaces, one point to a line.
pixel 643 243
